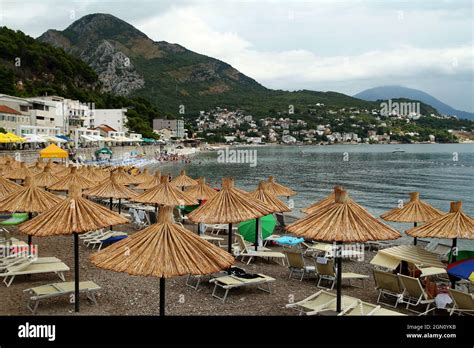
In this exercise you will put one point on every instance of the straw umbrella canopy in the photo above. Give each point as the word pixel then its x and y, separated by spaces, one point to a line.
pixel 453 225
pixel 164 194
pixel 265 196
pixel 201 191
pixel 46 177
pixel 72 179
pixel 17 173
pixel 344 221
pixel 7 186
pixel 111 189
pixel 28 199
pixel 163 250
pixel 182 180
pixel 73 215
pixel 142 177
pixel 36 168
pixel 278 189
pixel 38 161
pixel 123 177
pixel 229 206
pixel 154 181
pixel 323 202
pixel 414 211
pixel 92 175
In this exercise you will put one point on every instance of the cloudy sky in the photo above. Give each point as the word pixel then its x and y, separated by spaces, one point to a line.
pixel 343 45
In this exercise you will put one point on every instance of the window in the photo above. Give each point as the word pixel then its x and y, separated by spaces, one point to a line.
pixel 24 108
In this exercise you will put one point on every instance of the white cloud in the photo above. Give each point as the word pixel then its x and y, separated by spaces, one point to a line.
pixel 289 68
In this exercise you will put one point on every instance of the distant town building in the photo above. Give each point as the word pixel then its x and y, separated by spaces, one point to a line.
pixel 175 126
pixel 115 118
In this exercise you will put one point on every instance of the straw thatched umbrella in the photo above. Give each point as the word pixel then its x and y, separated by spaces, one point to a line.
pixel 414 211
pixel 19 173
pixel 7 186
pixel 73 178
pixel 36 168
pixel 154 181
pixel 453 225
pixel 163 250
pixel 46 177
pixel 123 177
pixel 344 221
pixel 265 196
pixel 142 177
pixel 28 199
pixel 278 189
pixel 73 215
pixel 323 202
pixel 111 189
pixel 229 206
pixel 202 192
pixel 164 194
pixel 182 180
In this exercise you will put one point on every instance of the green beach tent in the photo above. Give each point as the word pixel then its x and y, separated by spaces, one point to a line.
pixel 247 228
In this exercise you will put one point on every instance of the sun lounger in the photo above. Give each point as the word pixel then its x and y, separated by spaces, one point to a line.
pixel 413 293
pixel 362 308
pixel 463 302
pixel 246 251
pixel 29 268
pixel 297 264
pixel 328 273
pixel 59 289
pixel 388 284
pixel 12 261
pixel 229 282
pixel 108 236
pixel 322 301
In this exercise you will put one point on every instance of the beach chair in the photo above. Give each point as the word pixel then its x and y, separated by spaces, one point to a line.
pixel 413 293
pixel 99 241
pixel 245 251
pixel 29 268
pixel 326 272
pixel 387 284
pixel 320 302
pixel 12 261
pixel 463 302
pixel 229 282
pixel 362 308
pixel 43 292
pixel 297 264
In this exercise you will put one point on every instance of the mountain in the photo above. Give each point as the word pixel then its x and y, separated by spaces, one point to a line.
pixel 392 92
pixel 129 63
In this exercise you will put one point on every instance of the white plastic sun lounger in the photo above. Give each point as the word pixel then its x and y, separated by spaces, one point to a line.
pixel 29 268
pixel 361 308
pixel 229 282
pixel 322 301
pixel 413 293
pixel 20 260
pixel 59 289
pixel 245 251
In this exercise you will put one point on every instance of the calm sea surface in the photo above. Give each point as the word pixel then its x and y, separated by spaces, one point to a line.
pixel 374 175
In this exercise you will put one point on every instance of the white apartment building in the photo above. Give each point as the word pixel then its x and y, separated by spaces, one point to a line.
pixel 43 113
pixel 14 111
pixel 115 118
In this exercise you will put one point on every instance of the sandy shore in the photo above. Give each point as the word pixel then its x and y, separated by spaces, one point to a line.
pixel 123 294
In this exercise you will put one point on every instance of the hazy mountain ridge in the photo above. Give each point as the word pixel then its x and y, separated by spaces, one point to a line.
pixel 392 92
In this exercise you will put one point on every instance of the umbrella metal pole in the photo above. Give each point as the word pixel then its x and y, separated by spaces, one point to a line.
pixel 120 206
pixel 76 272
pixel 257 222
pixel 162 296
pixel 111 202
pixel 415 240
pixel 339 275
pixel 200 223
pixel 229 243
pixel 30 215
pixel 453 259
